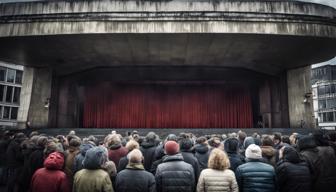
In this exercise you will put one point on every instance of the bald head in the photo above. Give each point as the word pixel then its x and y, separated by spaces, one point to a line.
pixel 135 156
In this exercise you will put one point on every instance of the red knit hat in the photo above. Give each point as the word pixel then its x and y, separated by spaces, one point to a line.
pixel 171 148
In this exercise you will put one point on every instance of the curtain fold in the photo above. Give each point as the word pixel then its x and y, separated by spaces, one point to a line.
pixel 167 105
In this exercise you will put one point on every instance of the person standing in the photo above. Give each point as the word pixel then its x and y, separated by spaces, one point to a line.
pixel 218 177
pixel 254 175
pixel 173 174
pixel 136 175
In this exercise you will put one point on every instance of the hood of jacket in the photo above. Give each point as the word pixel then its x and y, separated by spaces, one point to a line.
pixel 95 158
pixel 268 151
pixel 291 155
pixel 54 161
pixel 306 142
pixel 176 157
pixel 84 148
pixel 201 148
pixel 147 144
pixel 231 145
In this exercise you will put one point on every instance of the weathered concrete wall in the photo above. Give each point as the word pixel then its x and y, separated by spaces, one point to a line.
pixel 38 114
pixel 26 91
pixel 178 16
pixel 299 88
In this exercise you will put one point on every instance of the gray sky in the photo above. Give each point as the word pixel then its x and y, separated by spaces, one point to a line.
pixel 325 2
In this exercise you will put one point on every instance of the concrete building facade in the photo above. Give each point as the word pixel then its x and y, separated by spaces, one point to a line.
pixel 68 47
pixel 324 94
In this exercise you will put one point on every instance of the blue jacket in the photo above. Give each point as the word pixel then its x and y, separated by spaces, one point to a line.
pixel 255 176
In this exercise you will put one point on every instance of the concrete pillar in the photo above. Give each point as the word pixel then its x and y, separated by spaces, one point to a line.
pixel 26 90
pixel 38 114
pixel 300 102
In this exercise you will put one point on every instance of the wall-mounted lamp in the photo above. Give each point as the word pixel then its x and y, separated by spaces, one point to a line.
pixel 306 97
pixel 46 103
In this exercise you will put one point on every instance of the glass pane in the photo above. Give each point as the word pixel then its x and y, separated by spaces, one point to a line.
pixel 2 89
pixel 6 112
pixel 18 77
pixel 321 90
pixel 16 98
pixel 327 89
pixel 10 75
pixel 14 113
pixel 1 107
pixel 9 94
pixel 330 117
pixel 2 73
pixel 322 104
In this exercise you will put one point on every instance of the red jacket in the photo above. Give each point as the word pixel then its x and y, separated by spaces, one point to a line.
pixel 51 178
pixel 116 153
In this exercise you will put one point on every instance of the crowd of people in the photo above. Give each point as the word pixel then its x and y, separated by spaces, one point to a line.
pixel 212 163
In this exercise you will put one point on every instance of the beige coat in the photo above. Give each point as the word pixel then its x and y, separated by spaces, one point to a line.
pixel 212 180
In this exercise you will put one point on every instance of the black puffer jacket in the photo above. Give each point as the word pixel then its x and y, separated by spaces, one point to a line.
pixel 202 153
pixel 148 152
pixel 175 175
pixel 322 163
pixel 293 174
pixel 135 179
pixel 231 147
pixel 189 157
pixel 255 176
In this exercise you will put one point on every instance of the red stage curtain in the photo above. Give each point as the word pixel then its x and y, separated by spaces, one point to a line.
pixel 167 105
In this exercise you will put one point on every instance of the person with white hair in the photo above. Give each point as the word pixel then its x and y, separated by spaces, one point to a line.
pixel 135 177
pixel 255 175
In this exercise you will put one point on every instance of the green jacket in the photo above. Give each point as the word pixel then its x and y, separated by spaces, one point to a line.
pixel 96 180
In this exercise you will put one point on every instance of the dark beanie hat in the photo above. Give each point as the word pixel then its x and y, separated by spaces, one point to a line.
pixel 171 148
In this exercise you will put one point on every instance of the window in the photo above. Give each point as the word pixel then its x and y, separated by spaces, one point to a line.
pixel 16 96
pixel 10 90
pixel 14 112
pixel 330 116
pixel 18 77
pixel 2 73
pixel 331 103
pixel 327 89
pixel 10 75
pixel 6 112
pixel 322 104
pixel 9 94
pixel 321 90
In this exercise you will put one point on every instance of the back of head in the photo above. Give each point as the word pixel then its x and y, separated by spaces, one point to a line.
pixel 253 151
pixel 95 158
pixel 201 140
pixel 320 138
pixel 277 136
pixel 218 160
pixel 135 156
pixel 131 145
pixel 241 136
pixel 172 137
pixel 114 141
pixel 267 141
pixel 248 141
pixel 186 144
pixel 54 161
pixel 75 142
pixel 171 148
pixel 231 145
pixel 42 141
pixel 151 137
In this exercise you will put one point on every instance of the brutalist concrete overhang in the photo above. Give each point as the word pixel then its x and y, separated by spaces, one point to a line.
pixel 263 36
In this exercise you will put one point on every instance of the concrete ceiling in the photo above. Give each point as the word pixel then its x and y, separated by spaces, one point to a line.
pixel 66 54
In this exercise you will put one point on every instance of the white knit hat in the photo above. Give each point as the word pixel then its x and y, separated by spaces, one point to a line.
pixel 253 151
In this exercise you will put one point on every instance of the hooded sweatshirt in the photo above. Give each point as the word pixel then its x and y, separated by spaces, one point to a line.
pixel 51 178
pixel 202 153
pixel 93 178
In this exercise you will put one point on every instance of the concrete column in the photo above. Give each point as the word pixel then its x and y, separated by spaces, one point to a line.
pixel 26 90
pixel 300 102
pixel 38 114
